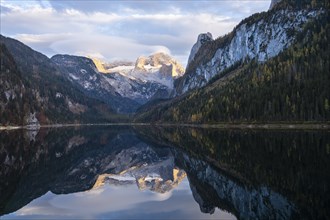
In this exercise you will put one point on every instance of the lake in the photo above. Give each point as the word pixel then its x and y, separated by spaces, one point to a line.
pixel 152 172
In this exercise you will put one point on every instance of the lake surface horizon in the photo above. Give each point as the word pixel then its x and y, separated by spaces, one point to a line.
pixel 121 172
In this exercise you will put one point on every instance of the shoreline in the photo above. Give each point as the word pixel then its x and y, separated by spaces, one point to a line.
pixel 270 125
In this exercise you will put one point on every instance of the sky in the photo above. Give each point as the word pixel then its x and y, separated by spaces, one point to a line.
pixel 121 30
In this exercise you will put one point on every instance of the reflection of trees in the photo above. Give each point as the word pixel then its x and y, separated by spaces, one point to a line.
pixel 291 162
pixel 66 160
pixel 30 168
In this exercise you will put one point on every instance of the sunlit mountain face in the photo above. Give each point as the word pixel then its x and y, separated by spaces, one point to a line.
pixel 144 179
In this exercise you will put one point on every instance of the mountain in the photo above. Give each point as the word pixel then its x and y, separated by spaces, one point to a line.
pixel 122 85
pixel 64 89
pixel 259 37
pixel 83 74
pixel 148 79
pixel 274 66
pixel 33 91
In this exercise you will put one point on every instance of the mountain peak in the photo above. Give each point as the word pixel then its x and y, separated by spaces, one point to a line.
pixel 154 60
pixel 202 39
pixel 161 62
pixel 273 3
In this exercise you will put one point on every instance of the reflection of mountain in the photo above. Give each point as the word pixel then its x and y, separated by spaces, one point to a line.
pixel 146 177
pixel 70 160
pixel 67 160
pixel 212 189
pixel 292 163
pixel 142 165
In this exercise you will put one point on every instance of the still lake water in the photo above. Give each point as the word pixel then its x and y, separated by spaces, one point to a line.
pixel 118 172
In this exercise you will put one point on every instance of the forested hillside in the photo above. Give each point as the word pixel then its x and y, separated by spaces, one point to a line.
pixel 34 92
pixel 293 86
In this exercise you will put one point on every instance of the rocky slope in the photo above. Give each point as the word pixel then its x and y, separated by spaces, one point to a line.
pixel 82 73
pixel 260 37
pixel 33 91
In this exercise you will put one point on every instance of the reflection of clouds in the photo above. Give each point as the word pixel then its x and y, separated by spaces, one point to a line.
pixel 43 207
pixel 118 202
pixel 162 196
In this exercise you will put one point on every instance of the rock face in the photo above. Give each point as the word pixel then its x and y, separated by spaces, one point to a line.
pixel 202 39
pixel 259 37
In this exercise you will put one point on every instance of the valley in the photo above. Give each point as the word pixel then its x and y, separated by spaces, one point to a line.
pixel 165 109
pixel 261 72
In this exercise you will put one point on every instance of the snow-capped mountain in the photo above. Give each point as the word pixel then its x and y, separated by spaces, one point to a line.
pixel 122 85
pixel 261 37
pixel 144 80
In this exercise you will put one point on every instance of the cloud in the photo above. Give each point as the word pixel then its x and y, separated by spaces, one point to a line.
pixel 120 29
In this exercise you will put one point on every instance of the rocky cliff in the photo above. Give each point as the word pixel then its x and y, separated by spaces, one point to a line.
pixel 260 37
pixel 202 39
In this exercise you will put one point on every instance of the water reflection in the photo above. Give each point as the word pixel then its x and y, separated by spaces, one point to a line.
pixel 102 172
pixel 113 202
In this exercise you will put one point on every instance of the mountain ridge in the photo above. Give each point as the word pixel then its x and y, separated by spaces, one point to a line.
pixel 261 36
pixel 83 74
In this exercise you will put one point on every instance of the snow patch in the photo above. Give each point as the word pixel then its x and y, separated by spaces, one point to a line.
pixel 58 95
pixel 73 76
pixel 10 94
